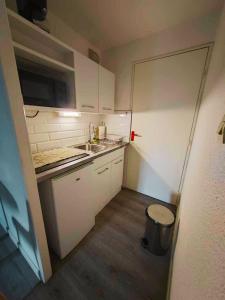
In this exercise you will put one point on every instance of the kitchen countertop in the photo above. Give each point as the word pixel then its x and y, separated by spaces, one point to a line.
pixel 77 163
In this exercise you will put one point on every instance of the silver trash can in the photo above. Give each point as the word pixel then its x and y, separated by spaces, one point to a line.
pixel 159 229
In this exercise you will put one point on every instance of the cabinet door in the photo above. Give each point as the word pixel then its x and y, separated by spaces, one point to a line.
pixel 86 83
pixel 116 176
pixel 101 187
pixel 73 205
pixel 106 91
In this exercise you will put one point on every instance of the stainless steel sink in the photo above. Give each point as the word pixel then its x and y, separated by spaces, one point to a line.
pixel 92 147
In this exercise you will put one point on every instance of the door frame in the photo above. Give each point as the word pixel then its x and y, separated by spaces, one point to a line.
pixel 7 58
pixel 209 46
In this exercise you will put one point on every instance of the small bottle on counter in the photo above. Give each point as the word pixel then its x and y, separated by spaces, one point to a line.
pixel 101 131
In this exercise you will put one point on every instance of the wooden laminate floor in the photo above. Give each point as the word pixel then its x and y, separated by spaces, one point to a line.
pixel 110 263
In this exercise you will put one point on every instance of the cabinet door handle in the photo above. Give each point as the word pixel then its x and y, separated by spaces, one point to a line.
pixel 106 108
pixel 87 106
pixel 117 162
pixel 103 171
pixel 77 179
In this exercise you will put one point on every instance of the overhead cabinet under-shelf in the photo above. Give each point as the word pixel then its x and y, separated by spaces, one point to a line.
pixel 36 57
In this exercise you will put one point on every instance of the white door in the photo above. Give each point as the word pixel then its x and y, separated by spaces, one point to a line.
pixel 116 176
pixel 101 187
pixel 165 94
pixel 86 83
pixel 106 90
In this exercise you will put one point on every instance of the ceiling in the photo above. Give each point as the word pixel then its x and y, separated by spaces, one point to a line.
pixel 110 23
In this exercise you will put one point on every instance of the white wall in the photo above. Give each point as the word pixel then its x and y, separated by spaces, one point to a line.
pixel 199 261
pixel 65 33
pixel 62 31
pixel 120 59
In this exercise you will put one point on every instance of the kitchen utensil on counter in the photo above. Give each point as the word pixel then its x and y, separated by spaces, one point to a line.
pixel 114 138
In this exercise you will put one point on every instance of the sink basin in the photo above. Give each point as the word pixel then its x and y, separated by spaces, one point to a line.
pixel 92 147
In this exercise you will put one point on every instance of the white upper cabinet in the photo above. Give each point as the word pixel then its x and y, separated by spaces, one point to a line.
pixel 106 91
pixel 86 83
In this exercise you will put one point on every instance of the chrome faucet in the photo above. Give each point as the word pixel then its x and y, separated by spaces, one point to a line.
pixel 91 132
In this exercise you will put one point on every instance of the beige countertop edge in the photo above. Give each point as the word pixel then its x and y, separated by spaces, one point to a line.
pixel 74 164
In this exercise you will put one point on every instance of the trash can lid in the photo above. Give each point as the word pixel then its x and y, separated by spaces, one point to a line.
pixel 160 214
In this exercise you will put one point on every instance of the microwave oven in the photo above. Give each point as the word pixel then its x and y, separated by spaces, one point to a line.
pixel 40 90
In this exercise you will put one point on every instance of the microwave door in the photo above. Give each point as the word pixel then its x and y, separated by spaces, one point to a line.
pixel 37 90
pixel 61 95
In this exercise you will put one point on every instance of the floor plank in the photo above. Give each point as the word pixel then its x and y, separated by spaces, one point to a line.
pixel 110 262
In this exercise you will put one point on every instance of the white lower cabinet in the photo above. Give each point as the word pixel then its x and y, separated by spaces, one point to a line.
pixel 101 187
pixel 68 210
pixel 116 176
pixel 71 201
pixel 107 178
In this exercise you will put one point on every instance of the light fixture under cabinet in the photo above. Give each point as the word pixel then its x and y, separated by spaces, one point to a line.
pixel 69 114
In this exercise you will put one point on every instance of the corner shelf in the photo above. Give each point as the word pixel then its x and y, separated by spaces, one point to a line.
pixel 30 36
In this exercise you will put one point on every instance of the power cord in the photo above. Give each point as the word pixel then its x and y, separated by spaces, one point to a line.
pixel 35 115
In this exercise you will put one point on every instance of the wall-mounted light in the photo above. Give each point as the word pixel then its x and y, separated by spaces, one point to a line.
pixel 69 114
pixel 121 114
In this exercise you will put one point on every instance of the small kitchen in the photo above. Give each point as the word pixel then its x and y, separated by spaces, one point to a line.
pixel 96 139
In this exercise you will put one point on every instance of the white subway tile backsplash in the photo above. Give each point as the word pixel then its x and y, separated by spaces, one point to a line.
pixel 41 128
pixel 82 139
pixel 48 145
pixel 54 118
pixel 48 130
pixel 73 141
pixel 30 128
pixel 117 124
pixel 39 119
pixel 72 126
pixel 38 137
pixel 33 148
pixel 65 134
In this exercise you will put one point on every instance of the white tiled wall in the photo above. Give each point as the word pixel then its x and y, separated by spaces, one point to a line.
pixel 48 130
pixel 118 124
